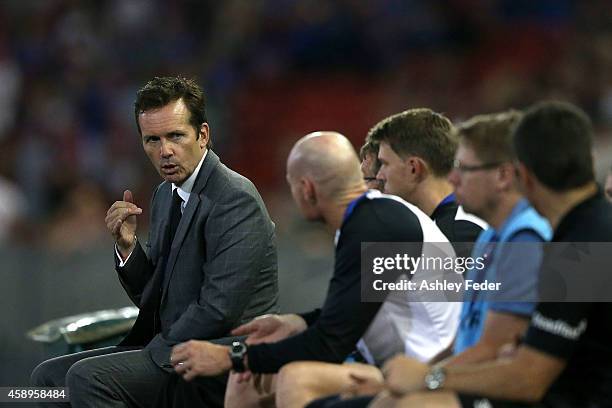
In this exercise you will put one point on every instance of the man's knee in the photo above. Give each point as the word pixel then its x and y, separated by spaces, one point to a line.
pixel 299 375
pixel 43 376
pixel 295 378
pixel 88 381
pixel 244 394
pixel 79 375
pixel 297 384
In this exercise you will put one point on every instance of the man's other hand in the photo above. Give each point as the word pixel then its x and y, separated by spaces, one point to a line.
pixel 270 328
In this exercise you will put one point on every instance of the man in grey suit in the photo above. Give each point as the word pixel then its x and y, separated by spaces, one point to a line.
pixel 210 263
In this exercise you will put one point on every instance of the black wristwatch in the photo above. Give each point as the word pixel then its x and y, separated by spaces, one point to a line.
pixel 237 353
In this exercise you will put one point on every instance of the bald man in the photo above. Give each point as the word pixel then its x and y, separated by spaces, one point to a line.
pixel 327 185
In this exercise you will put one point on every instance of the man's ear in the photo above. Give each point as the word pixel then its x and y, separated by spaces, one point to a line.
pixel 526 180
pixel 309 192
pixel 417 167
pixel 507 176
pixel 204 135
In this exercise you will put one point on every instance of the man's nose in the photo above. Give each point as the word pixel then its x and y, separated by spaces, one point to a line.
pixel 166 149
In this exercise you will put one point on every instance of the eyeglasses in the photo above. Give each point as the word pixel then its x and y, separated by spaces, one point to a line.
pixel 465 168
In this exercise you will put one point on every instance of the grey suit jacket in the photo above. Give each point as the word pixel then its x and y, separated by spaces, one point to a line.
pixel 221 268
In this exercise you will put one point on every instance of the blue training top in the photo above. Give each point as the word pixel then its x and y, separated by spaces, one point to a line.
pixel 516 267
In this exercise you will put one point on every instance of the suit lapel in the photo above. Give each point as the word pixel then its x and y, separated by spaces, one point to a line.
pixel 210 163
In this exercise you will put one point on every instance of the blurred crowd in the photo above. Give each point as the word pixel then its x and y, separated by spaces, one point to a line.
pixel 272 70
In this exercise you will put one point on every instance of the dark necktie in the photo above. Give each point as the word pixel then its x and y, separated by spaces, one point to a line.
pixel 175 217
pixel 173 222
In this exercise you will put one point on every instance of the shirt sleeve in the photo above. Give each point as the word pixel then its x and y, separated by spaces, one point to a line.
pixel 310 317
pixel 556 328
pixel 517 271
pixel 121 261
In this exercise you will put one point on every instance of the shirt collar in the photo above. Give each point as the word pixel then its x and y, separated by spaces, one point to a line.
pixel 449 199
pixel 185 189
pixel 572 216
pixel 351 206
pixel 519 207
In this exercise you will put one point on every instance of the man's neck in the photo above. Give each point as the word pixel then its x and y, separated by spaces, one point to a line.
pixel 502 210
pixel 430 193
pixel 333 213
pixel 556 205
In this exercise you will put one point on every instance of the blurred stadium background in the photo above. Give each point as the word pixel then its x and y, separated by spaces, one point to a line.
pixel 272 70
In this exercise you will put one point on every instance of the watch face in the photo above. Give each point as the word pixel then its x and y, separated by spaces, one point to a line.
pixel 238 347
pixel 435 379
pixel 237 353
pixel 434 383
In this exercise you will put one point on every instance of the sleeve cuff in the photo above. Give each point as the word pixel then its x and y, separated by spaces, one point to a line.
pixel 310 317
pixel 122 262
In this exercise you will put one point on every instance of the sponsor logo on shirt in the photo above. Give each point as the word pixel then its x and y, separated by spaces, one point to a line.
pixel 558 327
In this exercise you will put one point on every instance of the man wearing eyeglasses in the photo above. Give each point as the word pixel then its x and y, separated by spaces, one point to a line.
pixel 485 183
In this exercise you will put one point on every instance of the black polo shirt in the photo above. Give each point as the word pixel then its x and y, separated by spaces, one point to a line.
pixel 579 333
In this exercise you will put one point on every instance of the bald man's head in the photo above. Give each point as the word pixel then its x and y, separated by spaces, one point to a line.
pixel 326 158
